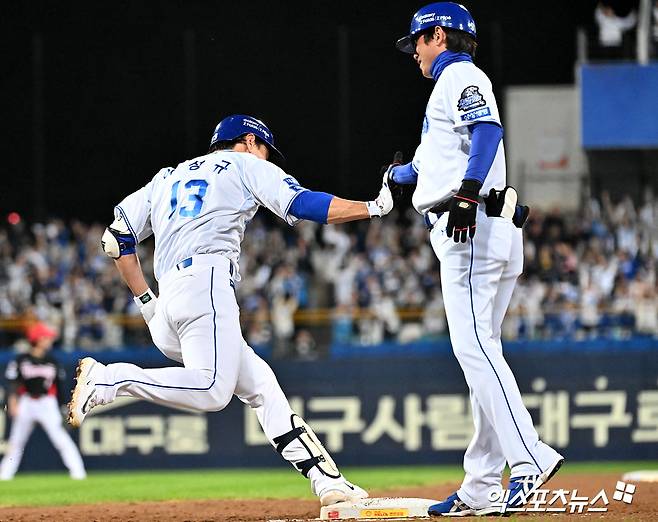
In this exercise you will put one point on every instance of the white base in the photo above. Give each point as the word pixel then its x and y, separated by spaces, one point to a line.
pixel 641 476
pixel 387 508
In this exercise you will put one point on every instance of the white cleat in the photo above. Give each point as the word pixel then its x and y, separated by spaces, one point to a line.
pixel 342 491
pixel 84 396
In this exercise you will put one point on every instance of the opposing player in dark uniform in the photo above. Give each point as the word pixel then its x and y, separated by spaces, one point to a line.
pixel 35 396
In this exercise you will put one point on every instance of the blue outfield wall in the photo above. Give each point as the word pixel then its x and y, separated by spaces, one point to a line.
pixel 407 408
pixel 619 106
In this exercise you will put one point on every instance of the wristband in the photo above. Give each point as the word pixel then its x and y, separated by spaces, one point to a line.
pixel 144 298
pixel 373 209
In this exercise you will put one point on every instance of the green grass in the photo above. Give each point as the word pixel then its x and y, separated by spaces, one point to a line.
pixel 34 489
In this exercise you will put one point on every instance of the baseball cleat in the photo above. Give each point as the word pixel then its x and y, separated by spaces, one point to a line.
pixel 453 506
pixel 343 491
pixel 522 488
pixel 83 396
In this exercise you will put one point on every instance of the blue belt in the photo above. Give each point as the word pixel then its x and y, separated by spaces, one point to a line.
pixel 188 262
pixel 184 263
pixel 428 224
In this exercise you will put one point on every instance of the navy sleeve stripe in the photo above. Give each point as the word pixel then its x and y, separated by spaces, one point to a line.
pixel 125 217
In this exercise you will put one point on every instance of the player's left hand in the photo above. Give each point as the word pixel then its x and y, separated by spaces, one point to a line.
pixel 463 211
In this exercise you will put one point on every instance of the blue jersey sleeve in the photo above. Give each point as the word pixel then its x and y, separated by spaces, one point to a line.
pixel 485 137
pixel 310 205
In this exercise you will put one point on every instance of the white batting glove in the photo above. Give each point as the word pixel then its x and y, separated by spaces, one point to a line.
pixel 147 303
pixel 383 204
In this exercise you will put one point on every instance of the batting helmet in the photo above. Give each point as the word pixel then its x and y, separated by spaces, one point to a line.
pixel 444 14
pixel 237 125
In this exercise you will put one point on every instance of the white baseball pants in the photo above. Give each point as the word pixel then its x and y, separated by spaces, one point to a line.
pixel 197 324
pixel 44 411
pixel 478 278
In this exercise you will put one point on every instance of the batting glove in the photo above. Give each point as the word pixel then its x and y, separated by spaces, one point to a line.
pixel 147 303
pixel 396 188
pixel 383 204
pixel 463 210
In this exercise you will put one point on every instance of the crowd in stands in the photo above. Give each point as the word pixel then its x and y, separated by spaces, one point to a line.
pixel 586 275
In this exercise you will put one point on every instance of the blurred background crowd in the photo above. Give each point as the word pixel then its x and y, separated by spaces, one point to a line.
pixel 589 267
pixel 587 275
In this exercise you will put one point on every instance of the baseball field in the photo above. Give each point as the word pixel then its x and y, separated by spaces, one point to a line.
pixel 275 494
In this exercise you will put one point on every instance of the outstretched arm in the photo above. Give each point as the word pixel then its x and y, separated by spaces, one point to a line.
pixel 326 208
pixel 344 210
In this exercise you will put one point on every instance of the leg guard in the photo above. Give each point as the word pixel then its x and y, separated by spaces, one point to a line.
pixel 318 455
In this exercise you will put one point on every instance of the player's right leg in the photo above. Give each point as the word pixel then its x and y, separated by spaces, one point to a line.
pixel 470 277
pixel 258 387
pixel 484 460
pixel 21 428
pixel 199 303
pixel 520 484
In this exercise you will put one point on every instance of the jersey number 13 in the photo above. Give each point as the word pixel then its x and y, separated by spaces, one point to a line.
pixel 191 205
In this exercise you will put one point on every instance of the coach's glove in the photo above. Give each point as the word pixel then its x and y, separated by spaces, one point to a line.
pixel 147 302
pixel 463 210
pixel 505 204
pixel 383 204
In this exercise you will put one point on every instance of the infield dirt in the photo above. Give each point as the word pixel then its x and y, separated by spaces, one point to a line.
pixel 643 508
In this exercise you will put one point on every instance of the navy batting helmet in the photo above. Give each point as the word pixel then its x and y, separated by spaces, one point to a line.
pixel 444 14
pixel 237 125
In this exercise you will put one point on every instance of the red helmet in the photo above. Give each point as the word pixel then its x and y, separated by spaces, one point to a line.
pixel 38 331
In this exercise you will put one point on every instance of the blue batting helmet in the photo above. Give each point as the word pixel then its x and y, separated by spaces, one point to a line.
pixel 444 14
pixel 237 125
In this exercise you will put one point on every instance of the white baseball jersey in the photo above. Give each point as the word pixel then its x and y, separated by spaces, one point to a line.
pixel 199 210
pixel 462 96
pixel 204 204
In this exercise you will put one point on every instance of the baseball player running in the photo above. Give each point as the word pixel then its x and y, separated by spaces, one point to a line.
pixel 198 212
pixel 35 381
pixel 459 162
